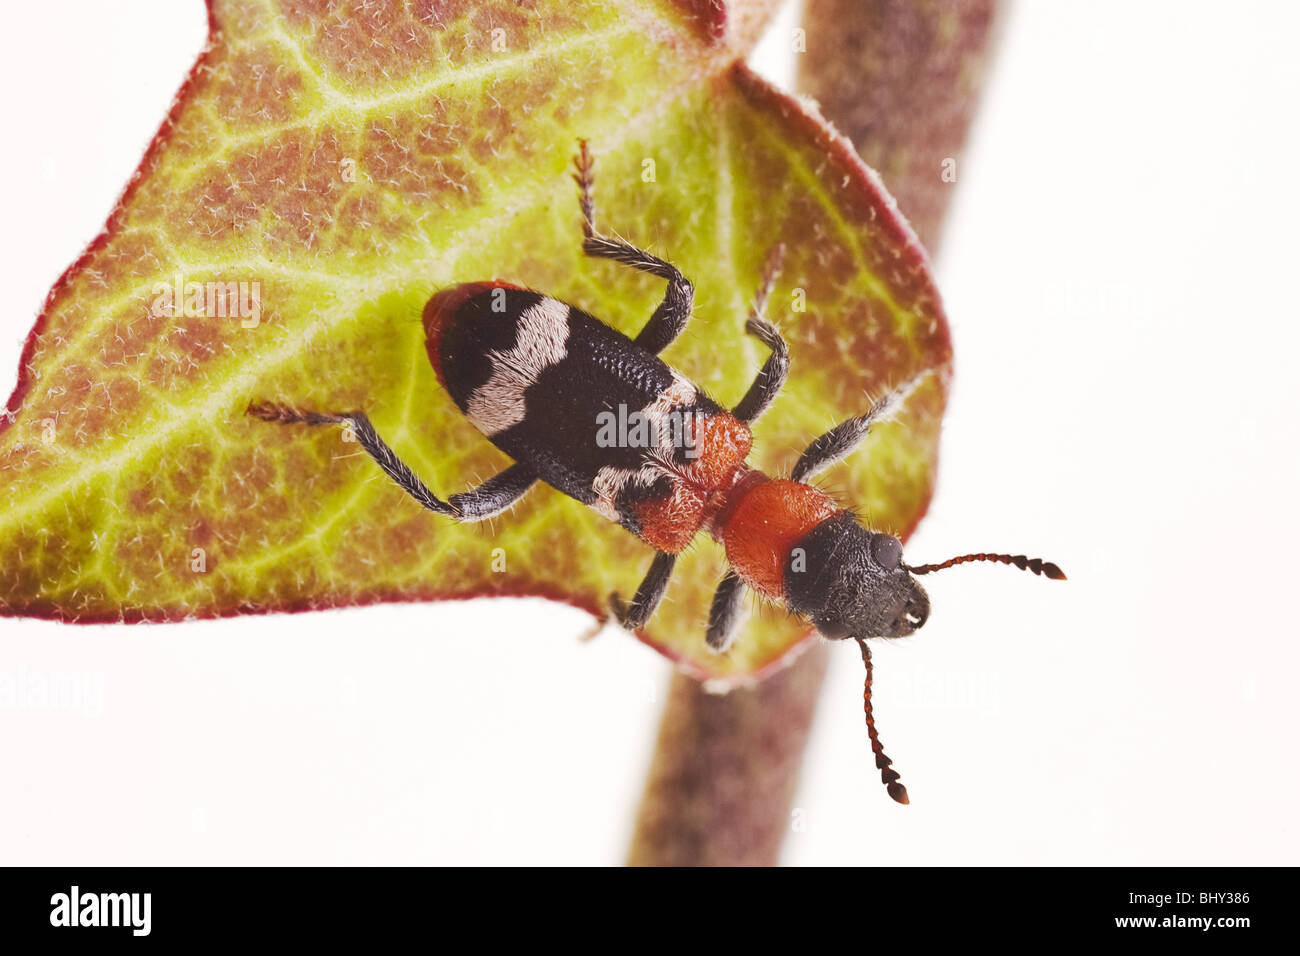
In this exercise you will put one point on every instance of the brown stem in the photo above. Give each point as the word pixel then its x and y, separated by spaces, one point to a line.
pixel 725 768
pixel 900 78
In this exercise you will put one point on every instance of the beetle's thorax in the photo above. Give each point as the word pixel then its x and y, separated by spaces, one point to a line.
pixel 762 521
pixel 725 498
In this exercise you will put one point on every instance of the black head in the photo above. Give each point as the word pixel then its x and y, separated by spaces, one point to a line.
pixel 851 582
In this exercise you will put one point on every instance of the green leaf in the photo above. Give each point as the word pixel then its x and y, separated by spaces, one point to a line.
pixel 346 160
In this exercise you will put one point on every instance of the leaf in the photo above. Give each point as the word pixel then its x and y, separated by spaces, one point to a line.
pixel 346 160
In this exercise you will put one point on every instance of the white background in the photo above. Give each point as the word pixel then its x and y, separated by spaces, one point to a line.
pixel 1119 276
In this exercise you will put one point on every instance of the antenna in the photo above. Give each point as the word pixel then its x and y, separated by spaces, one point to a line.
pixel 888 776
pixel 1037 565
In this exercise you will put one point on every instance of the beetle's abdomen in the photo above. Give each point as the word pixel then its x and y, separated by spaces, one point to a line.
pixel 598 417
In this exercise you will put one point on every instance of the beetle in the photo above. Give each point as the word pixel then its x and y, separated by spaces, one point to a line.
pixel 539 378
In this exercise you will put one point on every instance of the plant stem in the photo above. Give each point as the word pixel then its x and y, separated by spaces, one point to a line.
pixel 902 79
pixel 725 769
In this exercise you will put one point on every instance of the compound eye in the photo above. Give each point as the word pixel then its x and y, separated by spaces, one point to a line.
pixel 887 551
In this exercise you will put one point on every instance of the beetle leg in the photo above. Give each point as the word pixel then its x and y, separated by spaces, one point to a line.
pixel 648 595
pixel 490 498
pixel 724 613
pixel 842 440
pixel 674 311
pixel 494 495
pixel 771 377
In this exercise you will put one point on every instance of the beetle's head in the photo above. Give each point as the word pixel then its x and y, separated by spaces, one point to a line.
pixel 851 582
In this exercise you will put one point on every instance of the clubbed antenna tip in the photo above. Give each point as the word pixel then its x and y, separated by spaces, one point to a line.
pixel 1046 568
pixel 888 775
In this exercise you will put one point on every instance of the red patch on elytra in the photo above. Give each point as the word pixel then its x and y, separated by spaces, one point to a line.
pixel 670 523
pixel 443 306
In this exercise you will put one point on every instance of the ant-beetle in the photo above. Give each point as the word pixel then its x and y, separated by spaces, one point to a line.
pixel 538 378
